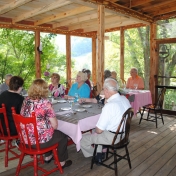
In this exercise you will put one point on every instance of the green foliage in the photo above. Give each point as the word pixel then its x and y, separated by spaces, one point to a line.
pixel 17 54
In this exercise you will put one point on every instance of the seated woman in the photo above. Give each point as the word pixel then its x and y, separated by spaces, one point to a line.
pixel 12 98
pixel 56 89
pixel 80 87
pixel 100 97
pixel 46 121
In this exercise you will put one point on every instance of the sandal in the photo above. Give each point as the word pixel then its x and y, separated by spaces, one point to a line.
pixel 67 164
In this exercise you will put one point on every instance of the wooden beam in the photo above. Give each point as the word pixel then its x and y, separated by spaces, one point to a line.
pixel 158 5
pixel 170 8
pixel 46 29
pixel 63 15
pixel 40 10
pixel 12 5
pixel 76 20
pixel 68 59
pixel 94 56
pixel 122 53
pixel 94 23
pixel 100 59
pixel 165 16
pixel 37 55
pixel 137 3
pixel 153 60
pixel 119 9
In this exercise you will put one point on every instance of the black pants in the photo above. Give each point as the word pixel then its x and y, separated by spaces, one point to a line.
pixel 61 138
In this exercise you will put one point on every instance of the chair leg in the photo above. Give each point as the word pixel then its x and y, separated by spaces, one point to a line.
pixel 142 113
pixel 156 119
pixel 94 156
pixel 115 163
pixel 162 117
pixel 35 166
pixel 57 161
pixel 19 164
pixel 128 156
pixel 6 152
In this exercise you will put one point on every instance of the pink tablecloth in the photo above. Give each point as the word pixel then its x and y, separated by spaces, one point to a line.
pixel 142 97
pixel 74 131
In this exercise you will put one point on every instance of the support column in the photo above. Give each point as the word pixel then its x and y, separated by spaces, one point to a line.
pixel 37 55
pixel 122 53
pixel 153 60
pixel 94 54
pixel 68 60
pixel 100 59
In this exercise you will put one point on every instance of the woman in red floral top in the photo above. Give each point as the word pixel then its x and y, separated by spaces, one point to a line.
pixel 46 121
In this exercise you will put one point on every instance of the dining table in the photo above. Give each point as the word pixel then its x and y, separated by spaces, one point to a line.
pixel 74 122
pixel 142 98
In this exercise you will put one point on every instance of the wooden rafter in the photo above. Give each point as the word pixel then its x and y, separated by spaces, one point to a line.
pixel 137 3
pixel 43 9
pixel 123 10
pixel 153 6
pixel 14 4
pixel 63 15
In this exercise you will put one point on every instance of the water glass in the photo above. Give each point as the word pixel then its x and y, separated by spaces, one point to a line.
pixel 71 101
pixel 135 86
pixel 76 97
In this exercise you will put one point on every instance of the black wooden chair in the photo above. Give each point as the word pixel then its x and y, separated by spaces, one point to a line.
pixel 123 134
pixel 154 110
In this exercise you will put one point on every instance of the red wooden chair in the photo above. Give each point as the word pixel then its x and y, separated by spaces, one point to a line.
pixel 28 149
pixel 7 138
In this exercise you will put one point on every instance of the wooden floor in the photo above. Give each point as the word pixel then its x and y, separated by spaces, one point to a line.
pixel 152 152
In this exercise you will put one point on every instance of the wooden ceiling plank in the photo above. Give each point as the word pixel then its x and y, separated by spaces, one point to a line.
pixel 63 15
pixel 14 4
pixel 108 20
pixel 139 2
pixel 157 5
pixel 43 9
pixel 78 20
pixel 107 26
pixel 164 11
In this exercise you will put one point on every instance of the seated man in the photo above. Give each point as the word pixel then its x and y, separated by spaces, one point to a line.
pixel 135 81
pixel 109 119
pixel 5 86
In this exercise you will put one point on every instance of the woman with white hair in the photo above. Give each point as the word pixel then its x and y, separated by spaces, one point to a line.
pixel 80 87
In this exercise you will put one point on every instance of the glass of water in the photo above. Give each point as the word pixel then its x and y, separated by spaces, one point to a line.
pixel 71 101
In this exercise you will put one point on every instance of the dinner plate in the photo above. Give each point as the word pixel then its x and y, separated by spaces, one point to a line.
pixel 65 109
pixel 61 101
pixel 86 106
pixel 80 110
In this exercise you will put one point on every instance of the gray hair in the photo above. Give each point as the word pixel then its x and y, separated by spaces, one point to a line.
pixel 107 74
pixel 135 69
pixel 111 84
pixel 8 76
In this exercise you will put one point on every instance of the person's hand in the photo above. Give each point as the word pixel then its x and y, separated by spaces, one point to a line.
pixel 82 100
pixel 66 97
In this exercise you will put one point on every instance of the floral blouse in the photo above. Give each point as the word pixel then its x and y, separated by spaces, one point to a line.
pixel 43 112
pixel 58 91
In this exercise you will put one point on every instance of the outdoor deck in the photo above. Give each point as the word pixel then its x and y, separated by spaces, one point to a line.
pixel 152 152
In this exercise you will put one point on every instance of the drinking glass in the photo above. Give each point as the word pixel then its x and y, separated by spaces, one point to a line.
pixel 135 86
pixel 71 101
pixel 76 97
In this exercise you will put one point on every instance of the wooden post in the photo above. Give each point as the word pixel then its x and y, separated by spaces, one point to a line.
pixel 94 54
pixel 37 55
pixel 68 60
pixel 153 60
pixel 100 59
pixel 122 53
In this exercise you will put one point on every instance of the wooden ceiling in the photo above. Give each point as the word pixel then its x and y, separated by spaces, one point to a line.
pixel 79 17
